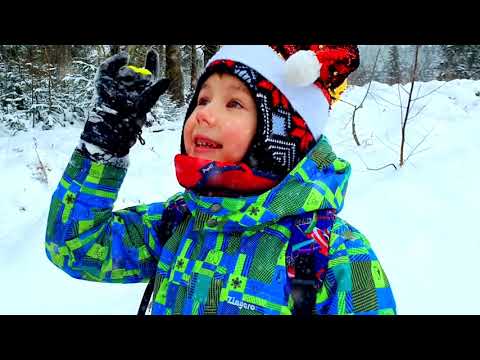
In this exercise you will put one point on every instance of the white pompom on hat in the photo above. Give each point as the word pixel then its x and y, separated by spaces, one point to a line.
pixel 302 68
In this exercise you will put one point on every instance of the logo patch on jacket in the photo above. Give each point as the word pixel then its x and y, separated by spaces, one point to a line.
pixel 240 304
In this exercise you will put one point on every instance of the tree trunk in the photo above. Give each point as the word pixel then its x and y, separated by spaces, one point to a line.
pixel 114 49
pixel 63 60
pixel 209 51
pixel 354 131
pixel 101 55
pixel 173 71
pixel 47 61
pixel 194 68
pixel 161 61
pixel 404 125
pixel 30 57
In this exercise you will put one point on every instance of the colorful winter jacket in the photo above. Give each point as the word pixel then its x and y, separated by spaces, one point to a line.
pixel 214 255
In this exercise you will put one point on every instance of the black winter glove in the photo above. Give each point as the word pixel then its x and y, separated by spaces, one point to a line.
pixel 125 95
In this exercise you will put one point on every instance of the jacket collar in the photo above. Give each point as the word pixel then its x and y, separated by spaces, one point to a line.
pixel 319 181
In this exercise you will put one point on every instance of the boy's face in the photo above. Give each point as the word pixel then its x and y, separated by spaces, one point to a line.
pixel 224 121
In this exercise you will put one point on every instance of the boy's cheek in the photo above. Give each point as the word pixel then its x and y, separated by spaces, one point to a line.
pixel 188 149
pixel 187 136
pixel 189 146
pixel 235 150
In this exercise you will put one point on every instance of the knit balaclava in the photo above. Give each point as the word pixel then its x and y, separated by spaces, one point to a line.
pixel 293 87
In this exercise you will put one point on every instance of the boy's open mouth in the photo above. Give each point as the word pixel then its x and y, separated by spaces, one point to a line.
pixel 206 143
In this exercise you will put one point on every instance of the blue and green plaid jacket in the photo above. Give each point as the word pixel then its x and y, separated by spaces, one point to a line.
pixel 216 255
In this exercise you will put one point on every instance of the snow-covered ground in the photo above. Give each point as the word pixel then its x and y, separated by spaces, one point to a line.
pixel 420 219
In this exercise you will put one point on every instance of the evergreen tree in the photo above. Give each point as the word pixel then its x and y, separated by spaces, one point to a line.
pixel 460 61
pixel 209 51
pixel 394 72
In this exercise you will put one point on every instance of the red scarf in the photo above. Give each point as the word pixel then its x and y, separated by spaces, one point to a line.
pixel 219 178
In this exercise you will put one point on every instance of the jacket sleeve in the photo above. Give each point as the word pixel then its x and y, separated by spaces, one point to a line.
pixel 89 241
pixel 355 283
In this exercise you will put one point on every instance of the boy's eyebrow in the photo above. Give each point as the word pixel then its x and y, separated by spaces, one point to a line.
pixel 241 88
pixel 233 86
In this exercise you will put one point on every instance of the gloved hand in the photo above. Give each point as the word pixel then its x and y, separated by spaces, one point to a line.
pixel 125 95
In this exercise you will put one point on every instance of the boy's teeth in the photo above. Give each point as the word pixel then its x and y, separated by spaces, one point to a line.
pixel 205 144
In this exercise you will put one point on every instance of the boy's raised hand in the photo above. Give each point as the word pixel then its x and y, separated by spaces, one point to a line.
pixel 125 95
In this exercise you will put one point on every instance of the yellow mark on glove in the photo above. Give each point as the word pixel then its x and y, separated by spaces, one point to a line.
pixel 141 71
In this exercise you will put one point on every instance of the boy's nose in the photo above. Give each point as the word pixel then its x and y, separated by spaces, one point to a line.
pixel 205 116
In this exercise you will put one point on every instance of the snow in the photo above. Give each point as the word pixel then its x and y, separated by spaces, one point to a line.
pixel 419 218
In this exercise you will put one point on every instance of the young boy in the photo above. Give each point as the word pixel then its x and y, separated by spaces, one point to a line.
pixel 256 230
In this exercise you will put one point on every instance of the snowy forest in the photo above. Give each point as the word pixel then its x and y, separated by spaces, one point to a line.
pixel 408 123
pixel 47 85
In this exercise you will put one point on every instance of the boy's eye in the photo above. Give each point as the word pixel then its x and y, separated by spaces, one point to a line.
pixel 202 101
pixel 235 104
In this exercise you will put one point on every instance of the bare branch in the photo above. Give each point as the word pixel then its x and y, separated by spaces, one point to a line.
pixel 420 143
pixel 401 86
pixel 42 167
pixel 374 97
pixel 387 146
pixel 436 89
pixel 418 113
pixel 346 102
pixel 418 90
pixel 383 99
pixel 347 123
pixel 354 133
pixel 419 152
pixel 401 107
pixel 383 167
pixel 371 78
pixel 369 168
pixel 364 163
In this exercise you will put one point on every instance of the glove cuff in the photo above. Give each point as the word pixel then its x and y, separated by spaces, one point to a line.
pixel 98 154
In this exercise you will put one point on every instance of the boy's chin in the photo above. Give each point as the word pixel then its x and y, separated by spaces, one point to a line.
pixel 211 156
pixel 206 156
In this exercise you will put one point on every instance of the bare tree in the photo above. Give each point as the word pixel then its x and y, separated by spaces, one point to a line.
pixel 355 107
pixel 409 103
pixel 161 55
pixel 407 113
pixel 194 68
pixel 63 60
pixel 173 71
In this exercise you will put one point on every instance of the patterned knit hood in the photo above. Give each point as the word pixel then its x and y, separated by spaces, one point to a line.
pixel 293 88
